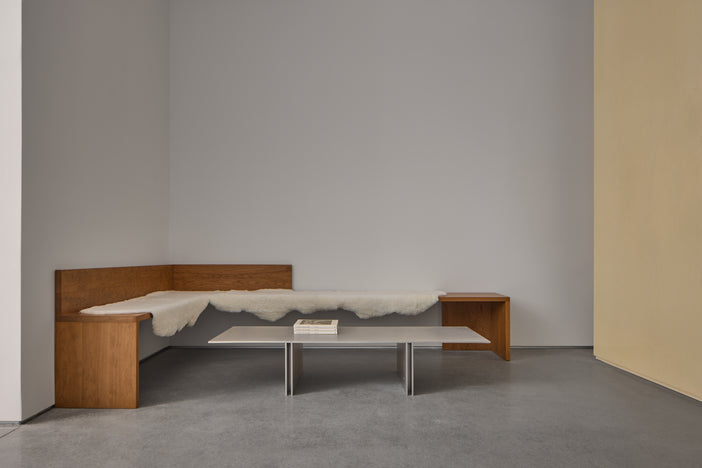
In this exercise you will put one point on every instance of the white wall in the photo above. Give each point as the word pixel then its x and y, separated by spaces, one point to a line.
pixel 391 144
pixel 95 155
pixel 10 207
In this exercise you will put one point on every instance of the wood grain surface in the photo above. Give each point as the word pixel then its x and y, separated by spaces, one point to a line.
pixel 97 365
pixel 226 277
pixel 472 297
pixel 486 313
pixel 80 289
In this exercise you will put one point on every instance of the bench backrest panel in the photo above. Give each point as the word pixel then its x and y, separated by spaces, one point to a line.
pixel 227 277
pixel 79 289
pixel 82 288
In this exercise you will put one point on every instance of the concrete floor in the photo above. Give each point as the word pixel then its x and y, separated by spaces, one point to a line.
pixel 226 407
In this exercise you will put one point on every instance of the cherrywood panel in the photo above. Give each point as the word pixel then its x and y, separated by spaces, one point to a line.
pixel 473 297
pixel 226 277
pixel 78 317
pixel 489 318
pixel 476 316
pixel 68 369
pixel 97 365
pixel 80 289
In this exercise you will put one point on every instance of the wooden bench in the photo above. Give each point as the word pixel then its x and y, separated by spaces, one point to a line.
pixel 97 356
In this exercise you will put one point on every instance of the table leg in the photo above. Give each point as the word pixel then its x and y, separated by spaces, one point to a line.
pixel 410 369
pixel 405 365
pixel 288 369
pixel 293 366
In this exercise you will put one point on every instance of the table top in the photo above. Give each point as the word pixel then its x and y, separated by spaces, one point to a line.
pixel 355 335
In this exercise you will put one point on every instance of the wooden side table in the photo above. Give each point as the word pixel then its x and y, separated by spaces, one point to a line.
pixel 486 313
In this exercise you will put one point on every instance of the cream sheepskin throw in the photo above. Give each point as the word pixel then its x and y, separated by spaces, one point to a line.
pixel 173 310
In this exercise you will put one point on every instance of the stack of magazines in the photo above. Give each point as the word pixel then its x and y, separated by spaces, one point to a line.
pixel 311 326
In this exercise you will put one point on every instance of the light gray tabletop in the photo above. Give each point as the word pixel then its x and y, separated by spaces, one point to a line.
pixel 356 335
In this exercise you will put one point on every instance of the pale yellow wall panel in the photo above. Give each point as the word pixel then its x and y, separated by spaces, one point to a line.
pixel 648 189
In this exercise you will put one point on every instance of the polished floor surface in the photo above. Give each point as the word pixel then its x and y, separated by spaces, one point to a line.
pixel 226 407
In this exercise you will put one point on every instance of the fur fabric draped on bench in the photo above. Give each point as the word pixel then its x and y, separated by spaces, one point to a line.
pixel 173 310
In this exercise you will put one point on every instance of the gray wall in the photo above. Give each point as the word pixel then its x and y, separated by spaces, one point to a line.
pixel 372 144
pixel 95 159
pixel 391 144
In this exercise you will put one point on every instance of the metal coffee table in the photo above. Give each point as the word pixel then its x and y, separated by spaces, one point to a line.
pixel 404 337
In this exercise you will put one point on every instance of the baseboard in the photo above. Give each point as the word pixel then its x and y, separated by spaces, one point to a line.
pixel 307 346
pixel 25 420
pixel 155 353
pixel 266 346
pixel 312 346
